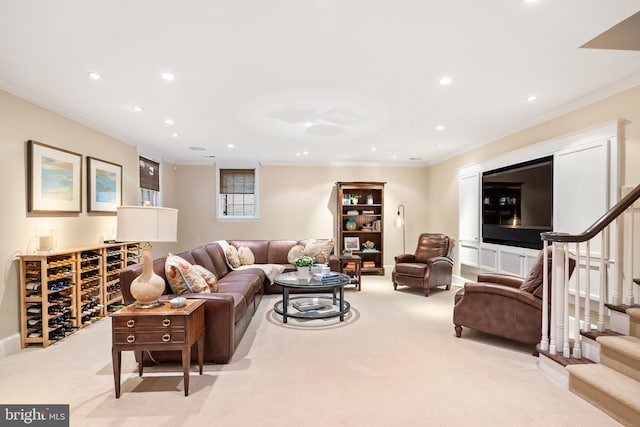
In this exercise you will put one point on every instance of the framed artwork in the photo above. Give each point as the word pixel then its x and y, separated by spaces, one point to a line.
pixel 54 179
pixel 104 186
pixel 352 243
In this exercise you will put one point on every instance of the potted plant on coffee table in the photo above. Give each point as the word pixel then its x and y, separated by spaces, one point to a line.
pixel 304 263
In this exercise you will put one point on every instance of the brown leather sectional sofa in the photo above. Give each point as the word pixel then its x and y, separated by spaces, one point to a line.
pixel 229 311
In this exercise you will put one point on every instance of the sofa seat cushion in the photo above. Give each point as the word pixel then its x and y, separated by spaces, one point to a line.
pixel 237 286
pixel 412 269
pixel 254 277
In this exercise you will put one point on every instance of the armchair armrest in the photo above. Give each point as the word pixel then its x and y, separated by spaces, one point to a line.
pixel 441 259
pixel 501 279
pixel 505 291
pixel 405 258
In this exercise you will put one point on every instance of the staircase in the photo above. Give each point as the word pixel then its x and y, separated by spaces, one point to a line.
pixel 613 385
pixel 591 332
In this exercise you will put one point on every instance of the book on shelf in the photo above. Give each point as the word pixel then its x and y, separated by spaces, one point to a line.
pixel 367 212
pixel 368 264
pixel 351 265
pixel 353 212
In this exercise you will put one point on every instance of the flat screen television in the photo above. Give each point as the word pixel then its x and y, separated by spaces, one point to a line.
pixel 517 203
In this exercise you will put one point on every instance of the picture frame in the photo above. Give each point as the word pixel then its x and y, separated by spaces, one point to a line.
pixel 352 243
pixel 54 179
pixel 104 186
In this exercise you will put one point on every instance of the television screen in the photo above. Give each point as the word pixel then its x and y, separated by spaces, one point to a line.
pixel 517 203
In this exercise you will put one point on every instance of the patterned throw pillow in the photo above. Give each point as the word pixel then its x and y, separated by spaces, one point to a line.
pixel 246 256
pixel 232 257
pixel 295 252
pixel 182 278
pixel 207 276
pixel 319 250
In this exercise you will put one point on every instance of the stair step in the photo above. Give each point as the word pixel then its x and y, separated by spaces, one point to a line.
pixel 621 308
pixel 622 354
pixel 594 334
pixel 613 392
pixel 560 359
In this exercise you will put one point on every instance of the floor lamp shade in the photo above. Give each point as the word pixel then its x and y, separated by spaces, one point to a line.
pixel 147 224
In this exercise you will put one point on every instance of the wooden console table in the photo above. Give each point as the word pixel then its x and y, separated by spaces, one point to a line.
pixel 160 328
pixel 354 273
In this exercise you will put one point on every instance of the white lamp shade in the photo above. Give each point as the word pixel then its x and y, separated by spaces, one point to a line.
pixel 147 224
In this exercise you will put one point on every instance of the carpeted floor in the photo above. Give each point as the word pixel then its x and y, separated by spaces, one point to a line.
pixel 395 361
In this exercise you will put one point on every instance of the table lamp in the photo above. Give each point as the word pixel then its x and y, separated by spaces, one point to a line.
pixel 147 224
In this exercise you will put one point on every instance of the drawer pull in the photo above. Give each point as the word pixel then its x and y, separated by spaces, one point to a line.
pixel 166 322
pixel 131 338
pixel 166 338
pixel 130 323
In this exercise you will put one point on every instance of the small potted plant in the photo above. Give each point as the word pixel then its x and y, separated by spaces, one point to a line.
pixel 304 263
pixel 355 198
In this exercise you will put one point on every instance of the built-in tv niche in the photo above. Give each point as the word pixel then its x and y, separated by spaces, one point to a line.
pixel 517 203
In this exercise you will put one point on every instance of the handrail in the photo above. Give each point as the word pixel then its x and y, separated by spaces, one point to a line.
pixel 597 226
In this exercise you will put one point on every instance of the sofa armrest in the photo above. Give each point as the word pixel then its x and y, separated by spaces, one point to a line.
pixel 334 263
pixel 501 279
pixel 405 258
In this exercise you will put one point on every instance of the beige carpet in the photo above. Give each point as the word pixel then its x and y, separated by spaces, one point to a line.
pixel 395 361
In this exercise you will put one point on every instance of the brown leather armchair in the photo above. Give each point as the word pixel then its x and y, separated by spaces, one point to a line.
pixel 504 305
pixel 430 266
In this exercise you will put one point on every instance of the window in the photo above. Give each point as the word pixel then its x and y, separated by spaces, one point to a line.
pixel 237 193
pixel 149 181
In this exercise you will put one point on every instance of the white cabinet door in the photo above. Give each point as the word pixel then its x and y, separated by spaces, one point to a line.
pixel 469 208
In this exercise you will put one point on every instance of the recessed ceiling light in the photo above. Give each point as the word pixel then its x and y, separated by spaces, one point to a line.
pixel 532 98
pixel 210 156
pixel 175 134
pixel 373 148
pixel 230 145
pixel 94 75
pixel 169 122
pixel 445 80
pixel 440 127
pixel 298 154
pixel 415 158
pixel 168 76
pixel 305 152
pixel 197 148
pixel 137 108
pixel 308 124
pixel 439 146
pixel 394 157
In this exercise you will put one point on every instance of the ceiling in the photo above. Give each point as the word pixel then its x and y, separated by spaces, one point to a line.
pixel 303 82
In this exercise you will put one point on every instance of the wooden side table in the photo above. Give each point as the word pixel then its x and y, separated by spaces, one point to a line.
pixel 354 272
pixel 159 328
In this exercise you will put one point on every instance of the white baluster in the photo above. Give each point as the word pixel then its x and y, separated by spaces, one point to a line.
pixel 603 280
pixel 552 337
pixel 628 257
pixel 587 290
pixel 566 348
pixel 577 339
pixel 544 343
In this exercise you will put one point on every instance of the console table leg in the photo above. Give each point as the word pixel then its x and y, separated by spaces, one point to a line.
pixel 201 352
pixel 186 365
pixel 117 360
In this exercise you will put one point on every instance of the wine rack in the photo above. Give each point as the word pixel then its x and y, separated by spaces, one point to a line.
pixel 66 290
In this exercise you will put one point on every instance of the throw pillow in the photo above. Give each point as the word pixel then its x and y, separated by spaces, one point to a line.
pixel 207 276
pixel 533 282
pixel 295 252
pixel 246 256
pixel 232 257
pixel 319 250
pixel 182 279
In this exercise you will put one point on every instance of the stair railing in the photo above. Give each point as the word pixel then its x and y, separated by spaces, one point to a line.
pixel 556 316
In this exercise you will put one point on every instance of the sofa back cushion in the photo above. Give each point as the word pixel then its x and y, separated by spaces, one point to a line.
pixel 278 251
pixel 220 267
pixel 202 258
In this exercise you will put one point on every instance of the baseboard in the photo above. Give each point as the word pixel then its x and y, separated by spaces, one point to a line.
pixel 9 345
pixel 553 370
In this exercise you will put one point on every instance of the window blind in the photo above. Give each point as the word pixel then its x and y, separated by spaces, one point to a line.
pixel 149 174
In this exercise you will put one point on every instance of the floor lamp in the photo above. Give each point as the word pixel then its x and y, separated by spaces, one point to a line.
pixel 399 221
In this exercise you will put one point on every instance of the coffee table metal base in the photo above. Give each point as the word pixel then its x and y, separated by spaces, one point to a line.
pixel 341 306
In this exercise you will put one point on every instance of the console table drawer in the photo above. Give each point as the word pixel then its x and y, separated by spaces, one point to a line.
pixel 149 337
pixel 126 322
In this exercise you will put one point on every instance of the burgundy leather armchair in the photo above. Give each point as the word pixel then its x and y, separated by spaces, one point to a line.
pixel 430 266
pixel 504 305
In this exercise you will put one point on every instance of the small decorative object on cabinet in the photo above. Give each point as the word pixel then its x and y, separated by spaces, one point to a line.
pixel 64 290
pixel 368 223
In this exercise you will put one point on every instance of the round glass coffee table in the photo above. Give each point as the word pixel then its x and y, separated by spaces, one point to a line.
pixel 311 306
